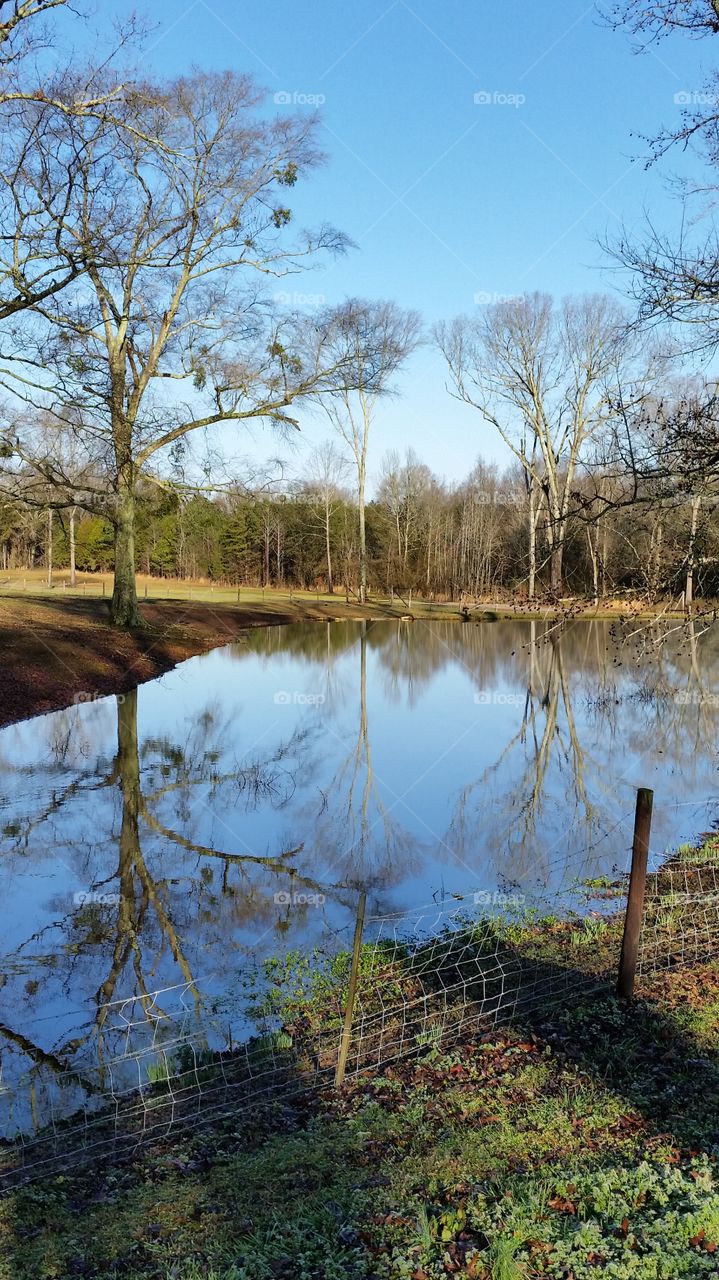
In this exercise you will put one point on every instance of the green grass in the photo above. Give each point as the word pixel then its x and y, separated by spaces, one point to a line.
pixel 583 1146
pixel 507 1157
pixel 579 1143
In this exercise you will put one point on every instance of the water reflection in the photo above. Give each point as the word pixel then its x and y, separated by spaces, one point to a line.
pixel 231 810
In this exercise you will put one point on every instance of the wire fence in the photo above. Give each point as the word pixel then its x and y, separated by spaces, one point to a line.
pixel 159 1061
pixel 681 916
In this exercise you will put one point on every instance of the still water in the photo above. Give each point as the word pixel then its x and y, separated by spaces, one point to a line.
pixel 232 810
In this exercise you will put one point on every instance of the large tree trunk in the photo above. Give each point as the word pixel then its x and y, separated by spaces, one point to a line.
pixel 655 557
pixel 556 531
pixel 124 611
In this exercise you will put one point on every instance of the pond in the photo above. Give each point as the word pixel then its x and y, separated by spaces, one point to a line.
pixel 170 839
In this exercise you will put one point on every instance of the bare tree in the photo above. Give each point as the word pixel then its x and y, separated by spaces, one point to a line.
pixel 674 275
pixel 177 241
pixel 404 485
pixel 19 31
pixel 327 469
pixel 373 339
pixel 39 256
pixel 62 86
pixel 543 377
pixel 654 21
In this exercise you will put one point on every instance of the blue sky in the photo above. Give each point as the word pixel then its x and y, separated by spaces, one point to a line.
pixel 448 198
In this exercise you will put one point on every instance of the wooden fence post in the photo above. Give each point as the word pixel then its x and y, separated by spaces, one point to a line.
pixel 351 993
pixel 635 900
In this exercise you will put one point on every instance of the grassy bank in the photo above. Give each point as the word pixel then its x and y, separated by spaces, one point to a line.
pixel 580 1148
pixel 578 1142
pixel 56 648
pixel 56 645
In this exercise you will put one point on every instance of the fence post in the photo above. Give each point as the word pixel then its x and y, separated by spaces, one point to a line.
pixel 351 993
pixel 635 900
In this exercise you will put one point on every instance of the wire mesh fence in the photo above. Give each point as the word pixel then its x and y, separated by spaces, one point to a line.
pixel 414 979
pixel 681 915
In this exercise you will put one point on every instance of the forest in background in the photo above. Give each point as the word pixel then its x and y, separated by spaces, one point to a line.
pixel 440 541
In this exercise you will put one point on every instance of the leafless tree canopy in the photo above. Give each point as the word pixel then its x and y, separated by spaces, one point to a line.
pixel 548 380
pixel 653 22
pixel 369 341
pixel 179 217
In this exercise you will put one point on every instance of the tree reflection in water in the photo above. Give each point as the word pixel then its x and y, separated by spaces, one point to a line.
pixel 214 827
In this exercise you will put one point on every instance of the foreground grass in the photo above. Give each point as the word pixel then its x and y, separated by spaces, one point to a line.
pixel 580 1145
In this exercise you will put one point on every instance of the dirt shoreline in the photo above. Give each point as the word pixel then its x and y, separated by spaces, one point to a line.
pixel 57 651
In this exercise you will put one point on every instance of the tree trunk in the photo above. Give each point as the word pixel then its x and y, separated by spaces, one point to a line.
pixel 594 556
pixel 49 547
pixel 328 548
pixel 124 611
pixel 266 561
pixel 555 569
pixel 73 571
pixel 362 540
pixel 689 589
pixel 532 543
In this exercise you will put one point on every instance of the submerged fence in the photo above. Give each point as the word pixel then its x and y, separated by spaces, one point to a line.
pixel 409 981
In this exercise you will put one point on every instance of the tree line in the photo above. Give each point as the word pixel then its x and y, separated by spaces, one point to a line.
pixel 470 540
pixel 142 220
